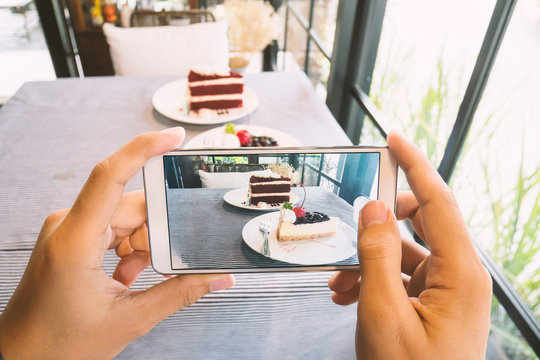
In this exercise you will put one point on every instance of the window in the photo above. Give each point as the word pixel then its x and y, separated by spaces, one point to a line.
pixel 425 58
pixel 498 177
pixel 309 35
pixel 423 66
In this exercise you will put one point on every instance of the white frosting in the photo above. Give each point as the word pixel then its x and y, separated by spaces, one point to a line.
pixel 226 81
pixel 268 194
pixel 288 215
pixel 205 69
pixel 270 183
pixel 216 97
pixel 230 140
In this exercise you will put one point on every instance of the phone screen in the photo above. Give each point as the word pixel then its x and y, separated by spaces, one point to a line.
pixel 221 207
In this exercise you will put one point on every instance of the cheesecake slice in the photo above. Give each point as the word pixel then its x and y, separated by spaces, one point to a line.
pixel 312 225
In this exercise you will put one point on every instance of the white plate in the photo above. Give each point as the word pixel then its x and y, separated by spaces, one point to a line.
pixel 212 138
pixel 169 100
pixel 237 197
pixel 317 251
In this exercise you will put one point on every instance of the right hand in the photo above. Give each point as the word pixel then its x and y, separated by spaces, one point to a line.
pixel 442 312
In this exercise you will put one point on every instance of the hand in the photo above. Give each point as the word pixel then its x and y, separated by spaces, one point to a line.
pixel 66 306
pixel 442 312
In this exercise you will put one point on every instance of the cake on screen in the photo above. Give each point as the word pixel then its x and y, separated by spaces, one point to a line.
pixel 309 225
pixel 214 89
pixel 269 189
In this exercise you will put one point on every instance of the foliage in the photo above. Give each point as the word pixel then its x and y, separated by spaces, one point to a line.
pixel 516 230
pixel 513 217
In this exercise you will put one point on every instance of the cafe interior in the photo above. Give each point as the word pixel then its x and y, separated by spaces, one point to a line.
pixel 460 79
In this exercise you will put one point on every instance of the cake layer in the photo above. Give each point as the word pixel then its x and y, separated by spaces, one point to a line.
pixel 258 188
pixel 215 104
pixel 203 90
pixel 269 198
pixel 287 231
pixel 222 81
pixel 194 76
pixel 262 179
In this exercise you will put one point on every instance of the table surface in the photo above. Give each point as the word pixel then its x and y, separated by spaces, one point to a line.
pixel 14 3
pixel 51 135
pixel 217 243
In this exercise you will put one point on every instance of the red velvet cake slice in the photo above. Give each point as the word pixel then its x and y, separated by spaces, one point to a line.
pixel 215 90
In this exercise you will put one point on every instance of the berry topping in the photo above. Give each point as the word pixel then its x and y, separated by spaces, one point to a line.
pixel 244 136
pixel 299 211
pixel 312 217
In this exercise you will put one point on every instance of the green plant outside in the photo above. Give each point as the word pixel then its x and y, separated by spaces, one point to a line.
pixel 514 226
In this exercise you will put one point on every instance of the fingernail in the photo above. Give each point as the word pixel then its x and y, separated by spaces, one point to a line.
pixel 179 131
pixel 375 212
pixel 222 284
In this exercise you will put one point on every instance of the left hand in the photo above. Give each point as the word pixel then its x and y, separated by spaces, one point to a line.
pixel 66 306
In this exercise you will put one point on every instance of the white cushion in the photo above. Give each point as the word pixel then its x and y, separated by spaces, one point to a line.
pixel 167 50
pixel 229 180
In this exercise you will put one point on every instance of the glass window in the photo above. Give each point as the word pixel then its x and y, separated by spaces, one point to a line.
pixel 324 25
pixel 23 51
pixel 505 340
pixel 425 58
pixel 498 177
pixel 324 21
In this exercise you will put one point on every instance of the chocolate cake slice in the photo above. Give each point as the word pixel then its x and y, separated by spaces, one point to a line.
pixel 268 189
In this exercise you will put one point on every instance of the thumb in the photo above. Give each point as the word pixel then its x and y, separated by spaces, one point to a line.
pixel 169 296
pixel 379 248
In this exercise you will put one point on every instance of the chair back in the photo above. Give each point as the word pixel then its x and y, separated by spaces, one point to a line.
pixel 141 18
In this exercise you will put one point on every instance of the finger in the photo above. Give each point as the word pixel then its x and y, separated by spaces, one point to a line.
pixel 100 196
pixel 130 267
pixel 123 248
pixel 343 281
pixel 407 208
pixel 417 282
pixel 441 218
pixel 130 213
pixel 412 255
pixel 379 251
pixel 169 296
pixel 348 297
pixel 139 239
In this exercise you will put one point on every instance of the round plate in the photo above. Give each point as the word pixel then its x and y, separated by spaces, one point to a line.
pixel 318 251
pixel 169 100
pixel 237 197
pixel 212 138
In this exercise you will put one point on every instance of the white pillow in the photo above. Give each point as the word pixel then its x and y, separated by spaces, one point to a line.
pixel 229 180
pixel 167 50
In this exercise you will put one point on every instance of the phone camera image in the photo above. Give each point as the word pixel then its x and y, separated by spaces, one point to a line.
pixel 271 210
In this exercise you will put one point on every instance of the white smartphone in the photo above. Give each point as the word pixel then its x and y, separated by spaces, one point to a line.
pixel 262 210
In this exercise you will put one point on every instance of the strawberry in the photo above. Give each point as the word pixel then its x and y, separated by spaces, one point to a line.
pixel 244 136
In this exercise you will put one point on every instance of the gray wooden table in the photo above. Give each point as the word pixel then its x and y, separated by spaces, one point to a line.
pixel 51 135
pixel 206 232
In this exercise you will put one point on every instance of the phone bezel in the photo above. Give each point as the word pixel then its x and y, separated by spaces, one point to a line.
pixel 156 204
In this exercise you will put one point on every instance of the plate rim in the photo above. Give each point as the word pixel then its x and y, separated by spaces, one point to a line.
pixel 248 92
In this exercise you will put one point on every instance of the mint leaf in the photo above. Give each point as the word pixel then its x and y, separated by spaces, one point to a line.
pixel 287 205
pixel 229 129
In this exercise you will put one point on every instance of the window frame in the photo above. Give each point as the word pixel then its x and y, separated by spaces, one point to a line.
pixel 508 297
pixel 358 31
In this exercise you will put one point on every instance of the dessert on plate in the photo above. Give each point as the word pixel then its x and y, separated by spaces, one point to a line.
pixel 297 224
pixel 243 138
pixel 214 89
pixel 269 190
